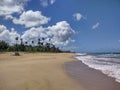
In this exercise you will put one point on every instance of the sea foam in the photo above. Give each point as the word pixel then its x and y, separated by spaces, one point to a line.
pixel 107 63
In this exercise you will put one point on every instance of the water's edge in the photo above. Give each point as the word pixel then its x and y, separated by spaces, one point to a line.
pixel 111 69
pixel 89 78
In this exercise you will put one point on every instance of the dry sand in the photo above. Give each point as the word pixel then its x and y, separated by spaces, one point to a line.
pixel 35 71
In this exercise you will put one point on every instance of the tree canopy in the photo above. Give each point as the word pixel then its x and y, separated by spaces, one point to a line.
pixel 41 47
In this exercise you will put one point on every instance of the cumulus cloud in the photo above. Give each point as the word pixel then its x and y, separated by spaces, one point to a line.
pixel 31 18
pixel 7 35
pixel 96 25
pixel 2 28
pixel 61 33
pixel 58 34
pixel 33 34
pixel 8 7
pixel 9 17
pixel 77 16
pixel 45 3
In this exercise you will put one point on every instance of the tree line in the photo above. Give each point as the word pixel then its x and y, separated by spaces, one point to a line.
pixel 25 47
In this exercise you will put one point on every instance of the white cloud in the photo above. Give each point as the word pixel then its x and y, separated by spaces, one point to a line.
pixel 77 16
pixel 118 40
pixel 45 3
pixel 8 36
pixel 31 18
pixel 2 28
pixel 34 34
pixel 96 25
pixel 52 1
pixel 8 7
pixel 9 17
pixel 59 34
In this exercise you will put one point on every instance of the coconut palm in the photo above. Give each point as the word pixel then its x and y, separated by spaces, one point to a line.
pixel 26 43
pixel 39 42
pixel 16 43
pixel 16 51
pixel 16 39
pixel 43 39
pixel 32 43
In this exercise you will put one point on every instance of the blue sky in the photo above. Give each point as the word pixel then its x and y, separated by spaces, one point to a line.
pixel 77 25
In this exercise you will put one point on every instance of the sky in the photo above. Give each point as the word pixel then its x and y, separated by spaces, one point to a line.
pixel 76 25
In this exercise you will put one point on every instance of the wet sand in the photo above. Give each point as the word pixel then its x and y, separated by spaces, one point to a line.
pixel 89 78
pixel 36 71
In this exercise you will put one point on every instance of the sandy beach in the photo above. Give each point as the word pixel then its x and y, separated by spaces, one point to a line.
pixel 50 71
pixel 36 71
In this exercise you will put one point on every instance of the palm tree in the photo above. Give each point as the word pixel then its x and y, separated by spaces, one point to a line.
pixel 39 42
pixel 16 39
pixel 32 46
pixel 32 43
pixel 21 41
pixel 43 39
pixel 26 46
pixel 16 43
pixel 39 39
pixel 22 46
pixel 16 51
pixel 26 43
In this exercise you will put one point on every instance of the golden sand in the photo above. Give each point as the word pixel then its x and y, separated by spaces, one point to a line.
pixel 35 71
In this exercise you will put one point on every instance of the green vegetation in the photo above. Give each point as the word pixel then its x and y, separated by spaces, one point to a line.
pixel 25 47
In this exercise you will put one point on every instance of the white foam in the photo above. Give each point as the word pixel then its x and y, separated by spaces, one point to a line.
pixel 80 54
pixel 105 65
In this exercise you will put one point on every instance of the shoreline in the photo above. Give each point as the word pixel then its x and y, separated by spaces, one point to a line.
pixel 89 78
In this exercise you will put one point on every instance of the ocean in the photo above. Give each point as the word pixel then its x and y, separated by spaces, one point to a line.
pixel 108 64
